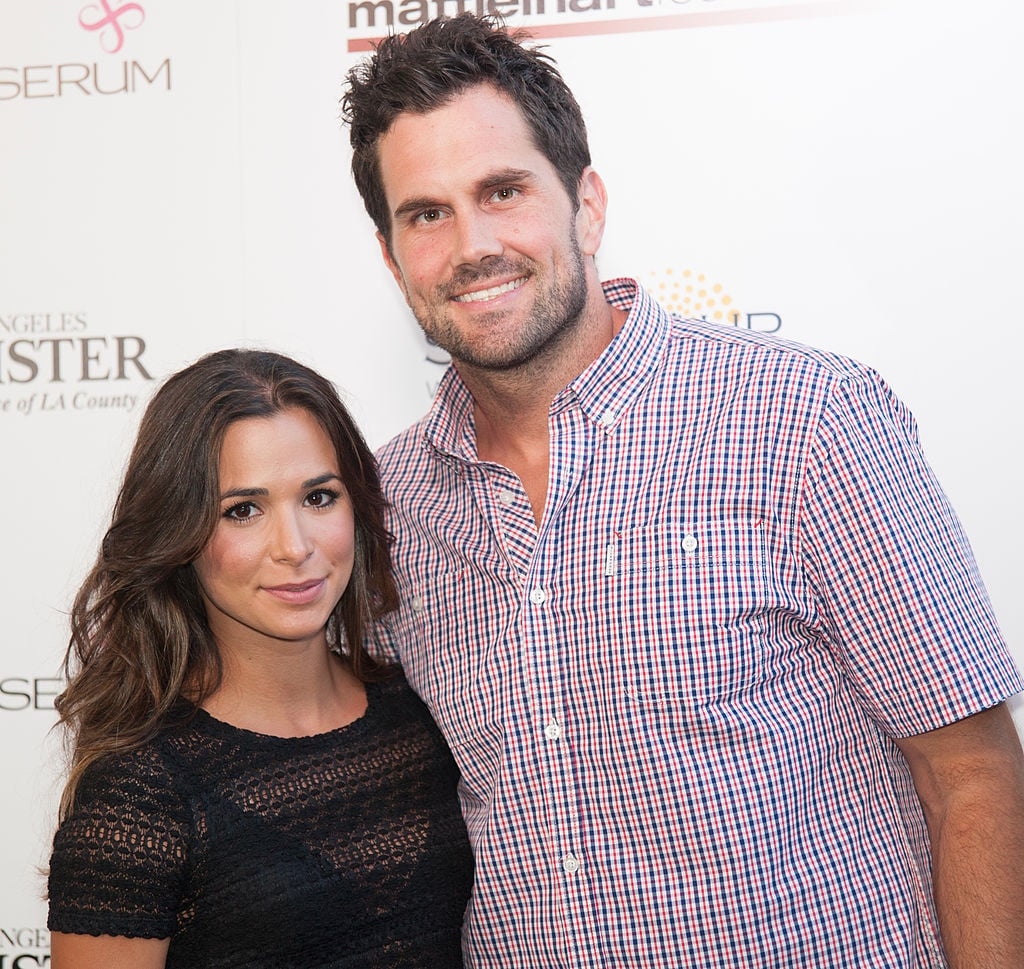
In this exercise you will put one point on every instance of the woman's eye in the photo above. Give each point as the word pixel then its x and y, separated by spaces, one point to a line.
pixel 241 512
pixel 322 498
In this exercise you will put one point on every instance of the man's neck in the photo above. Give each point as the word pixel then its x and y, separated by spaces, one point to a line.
pixel 511 407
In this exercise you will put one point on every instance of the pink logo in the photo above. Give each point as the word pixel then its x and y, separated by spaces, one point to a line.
pixel 111 18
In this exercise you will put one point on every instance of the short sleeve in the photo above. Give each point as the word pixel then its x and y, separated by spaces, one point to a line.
pixel 900 596
pixel 118 860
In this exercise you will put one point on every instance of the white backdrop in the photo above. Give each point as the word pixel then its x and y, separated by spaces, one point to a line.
pixel 174 178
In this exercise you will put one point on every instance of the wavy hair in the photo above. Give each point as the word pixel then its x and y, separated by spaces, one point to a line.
pixel 426 68
pixel 140 641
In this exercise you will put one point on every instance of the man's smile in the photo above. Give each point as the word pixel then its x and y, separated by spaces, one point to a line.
pixel 483 295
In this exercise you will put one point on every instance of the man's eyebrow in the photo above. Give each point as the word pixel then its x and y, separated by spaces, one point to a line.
pixel 417 204
pixel 506 176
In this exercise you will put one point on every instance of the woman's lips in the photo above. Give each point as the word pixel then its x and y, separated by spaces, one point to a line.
pixel 296 593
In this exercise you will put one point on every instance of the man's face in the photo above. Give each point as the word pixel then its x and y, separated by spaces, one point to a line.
pixel 485 244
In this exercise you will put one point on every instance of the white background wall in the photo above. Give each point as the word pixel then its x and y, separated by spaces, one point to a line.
pixel 852 168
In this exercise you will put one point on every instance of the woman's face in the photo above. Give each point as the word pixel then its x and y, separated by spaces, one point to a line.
pixel 284 545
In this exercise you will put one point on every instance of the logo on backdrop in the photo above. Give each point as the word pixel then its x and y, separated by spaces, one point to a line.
pixel 108 22
pixel 83 77
pixel 370 20
pixel 693 295
pixel 54 362
pixel 437 361
pixel 19 694
pixel 24 948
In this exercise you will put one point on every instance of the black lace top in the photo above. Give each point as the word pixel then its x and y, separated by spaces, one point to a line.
pixel 345 849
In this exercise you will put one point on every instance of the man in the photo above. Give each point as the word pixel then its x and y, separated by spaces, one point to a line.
pixel 698 623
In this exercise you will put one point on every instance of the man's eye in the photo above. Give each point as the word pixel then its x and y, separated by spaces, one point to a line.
pixel 506 193
pixel 430 215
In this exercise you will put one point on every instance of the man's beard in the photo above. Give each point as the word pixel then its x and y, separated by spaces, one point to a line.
pixel 555 313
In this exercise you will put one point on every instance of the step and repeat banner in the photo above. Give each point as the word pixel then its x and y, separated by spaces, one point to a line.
pixel 174 179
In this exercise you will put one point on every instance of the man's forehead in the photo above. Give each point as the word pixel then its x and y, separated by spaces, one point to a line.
pixel 481 99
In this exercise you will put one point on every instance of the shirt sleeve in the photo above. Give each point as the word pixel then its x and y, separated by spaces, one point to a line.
pixel 118 860
pixel 900 596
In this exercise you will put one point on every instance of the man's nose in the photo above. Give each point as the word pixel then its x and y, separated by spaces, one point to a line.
pixel 477 238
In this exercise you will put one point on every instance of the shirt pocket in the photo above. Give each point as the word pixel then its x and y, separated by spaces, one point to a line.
pixel 690 605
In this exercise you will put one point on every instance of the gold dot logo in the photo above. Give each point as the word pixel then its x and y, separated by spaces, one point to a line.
pixel 689 293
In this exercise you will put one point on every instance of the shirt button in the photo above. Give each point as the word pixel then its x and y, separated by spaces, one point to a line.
pixel 417 603
pixel 553 730
pixel 506 497
pixel 689 543
pixel 571 864
pixel 608 418
pixel 538 596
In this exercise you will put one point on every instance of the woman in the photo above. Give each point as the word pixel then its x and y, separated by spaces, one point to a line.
pixel 247 786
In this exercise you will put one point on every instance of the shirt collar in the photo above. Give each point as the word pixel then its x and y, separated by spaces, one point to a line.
pixel 609 385
pixel 603 391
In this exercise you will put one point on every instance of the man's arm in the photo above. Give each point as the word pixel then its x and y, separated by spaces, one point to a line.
pixel 970 779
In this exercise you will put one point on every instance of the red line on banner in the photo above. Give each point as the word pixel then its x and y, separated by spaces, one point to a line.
pixel 710 19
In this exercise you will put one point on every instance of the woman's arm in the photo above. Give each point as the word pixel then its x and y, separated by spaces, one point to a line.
pixel 106 952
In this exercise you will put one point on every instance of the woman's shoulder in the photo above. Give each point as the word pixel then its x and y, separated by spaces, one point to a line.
pixel 393 692
pixel 400 717
pixel 119 855
pixel 152 770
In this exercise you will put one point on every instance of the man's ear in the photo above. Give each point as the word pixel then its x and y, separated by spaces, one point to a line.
pixel 389 261
pixel 590 218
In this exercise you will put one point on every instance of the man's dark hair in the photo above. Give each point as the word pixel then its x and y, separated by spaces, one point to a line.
pixel 428 67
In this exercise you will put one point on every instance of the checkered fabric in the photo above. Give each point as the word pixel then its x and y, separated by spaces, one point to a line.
pixel 674 703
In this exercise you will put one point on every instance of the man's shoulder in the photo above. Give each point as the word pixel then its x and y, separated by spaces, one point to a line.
pixel 653 327
pixel 403 457
pixel 411 439
pixel 768 348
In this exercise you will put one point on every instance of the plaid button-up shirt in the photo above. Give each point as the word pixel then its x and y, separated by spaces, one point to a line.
pixel 673 704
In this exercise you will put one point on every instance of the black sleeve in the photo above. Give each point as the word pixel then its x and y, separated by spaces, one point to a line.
pixel 118 860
